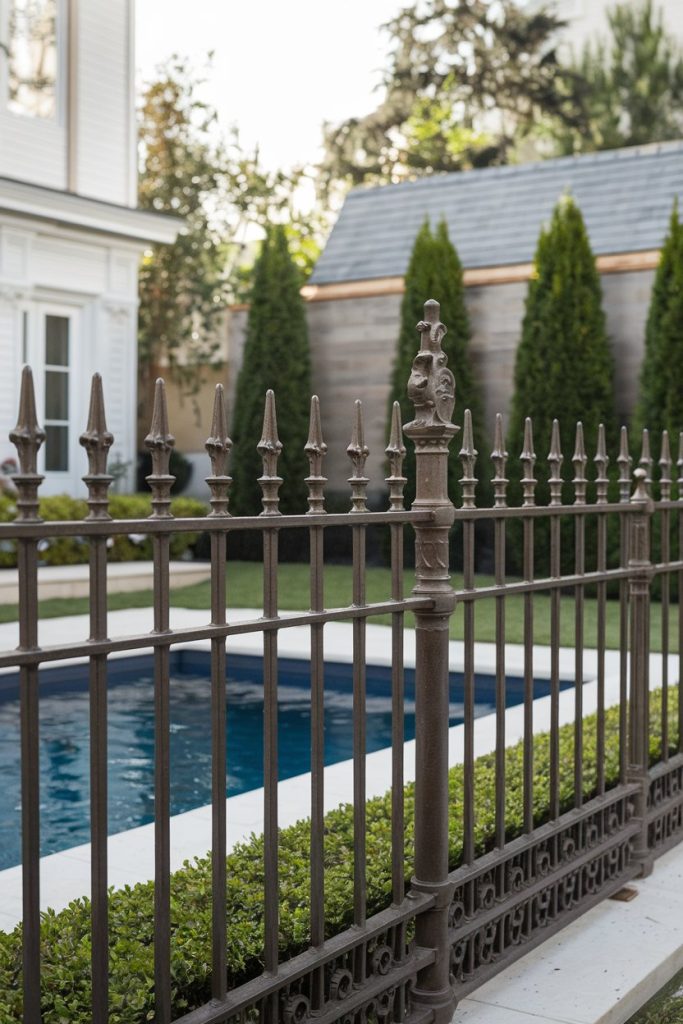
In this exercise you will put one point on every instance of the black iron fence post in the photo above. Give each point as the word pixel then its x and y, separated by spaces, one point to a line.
pixel 639 679
pixel 431 388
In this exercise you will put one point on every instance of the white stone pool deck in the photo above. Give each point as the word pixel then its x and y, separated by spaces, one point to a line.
pixel 66 875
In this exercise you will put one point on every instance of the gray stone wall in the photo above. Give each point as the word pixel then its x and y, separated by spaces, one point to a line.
pixel 353 343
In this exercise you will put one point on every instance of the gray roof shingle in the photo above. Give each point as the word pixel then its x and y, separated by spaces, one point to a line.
pixel 494 215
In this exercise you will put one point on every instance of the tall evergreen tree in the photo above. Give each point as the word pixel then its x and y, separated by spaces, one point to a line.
pixel 277 356
pixel 660 401
pixel 435 272
pixel 564 367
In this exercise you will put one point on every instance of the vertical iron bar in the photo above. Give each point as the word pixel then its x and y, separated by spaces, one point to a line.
pixel 665 556
pixel 269 448
pixel 579 463
pixel 555 460
pixel 500 482
pixel 97 441
pixel 358 452
pixel 27 437
pixel 639 586
pixel 160 443
pixel 601 486
pixel 679 483
pixel 468 455
pixel 431 388
pixel 624 462
pixel 218 446
pixel 315 449
pixel 528 458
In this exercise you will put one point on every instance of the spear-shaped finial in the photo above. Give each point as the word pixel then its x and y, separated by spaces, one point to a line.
pixel 665 463
pixel 528 459
pixel 646 460
pixel 499 458
pixel 27 438
pixel 97 441
pixel 396 452
pixel 315 449
pixel 624 461
pixel 468 457
pixel 579 460
pixel 555 460
pixel 269 448
pixel 601 461
pixel 358 452
pixel 218 446
pixel 160 443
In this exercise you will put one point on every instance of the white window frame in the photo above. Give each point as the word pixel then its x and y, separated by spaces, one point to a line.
pixel 61 480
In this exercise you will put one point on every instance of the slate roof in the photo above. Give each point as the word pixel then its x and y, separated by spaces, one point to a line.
pixel 494 215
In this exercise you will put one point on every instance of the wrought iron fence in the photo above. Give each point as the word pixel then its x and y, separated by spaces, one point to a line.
pixel 459 918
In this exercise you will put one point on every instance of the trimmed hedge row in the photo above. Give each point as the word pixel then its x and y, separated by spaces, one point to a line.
pixel 66 935
pixel 124 548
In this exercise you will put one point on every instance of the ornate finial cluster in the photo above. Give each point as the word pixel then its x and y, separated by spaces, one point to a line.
pixel 269 448
pixel 160 443
pixel 97 441
pixel 396 452
pixel 624 462
pixel 555 460
pixel 315 449
pixel 358 452
pixel 665 463
pixel 579 460
pixel 499 458
pixel 601 461
pixel 468 457
pixel 218 446
pixel 528 459
pixel 431 387
pixel 27 438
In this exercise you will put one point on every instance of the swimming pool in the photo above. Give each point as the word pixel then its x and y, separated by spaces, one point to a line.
pixel 64 747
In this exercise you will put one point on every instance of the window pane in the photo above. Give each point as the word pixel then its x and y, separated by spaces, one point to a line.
pixel 56 395
pixel 57 340
pixel 33 57
pixel 56 449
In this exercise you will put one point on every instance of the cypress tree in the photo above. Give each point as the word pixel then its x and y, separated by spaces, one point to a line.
pixel 276 355
pixel 660 401
pixel 435 272
pixel 564 367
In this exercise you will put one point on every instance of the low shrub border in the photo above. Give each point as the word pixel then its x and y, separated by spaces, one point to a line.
pixel 66 935
pixel 74 550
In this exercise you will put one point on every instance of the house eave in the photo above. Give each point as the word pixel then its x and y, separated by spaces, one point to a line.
pixel 71 210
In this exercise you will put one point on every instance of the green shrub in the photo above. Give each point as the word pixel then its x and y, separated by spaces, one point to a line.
pixel 124 547
pixel 66 935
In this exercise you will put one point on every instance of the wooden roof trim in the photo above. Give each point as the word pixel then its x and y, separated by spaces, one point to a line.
pixel 611 263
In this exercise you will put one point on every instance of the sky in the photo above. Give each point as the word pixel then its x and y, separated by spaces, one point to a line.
pixel 280 67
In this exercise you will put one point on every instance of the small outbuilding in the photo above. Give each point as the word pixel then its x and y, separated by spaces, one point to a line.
pixel 494 217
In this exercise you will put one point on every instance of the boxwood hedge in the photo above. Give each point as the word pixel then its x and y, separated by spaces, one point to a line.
pixel 66 937
pixel 123 548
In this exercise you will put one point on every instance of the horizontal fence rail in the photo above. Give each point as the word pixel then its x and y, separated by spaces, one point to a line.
pixel 576 795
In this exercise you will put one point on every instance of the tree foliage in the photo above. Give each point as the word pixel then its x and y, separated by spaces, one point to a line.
pixel 466 82
pixel 563 371
pixel 435 272
pixel 276 355
pixel 221 193
pixel 660 402
pixel 631 83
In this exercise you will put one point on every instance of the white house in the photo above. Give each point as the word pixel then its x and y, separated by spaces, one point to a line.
pixel 70 234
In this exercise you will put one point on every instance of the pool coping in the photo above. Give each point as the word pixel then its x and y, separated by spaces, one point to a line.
pixel 66 875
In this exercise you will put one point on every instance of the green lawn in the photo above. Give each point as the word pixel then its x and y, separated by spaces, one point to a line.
pixel 665 1008
pixel 245 584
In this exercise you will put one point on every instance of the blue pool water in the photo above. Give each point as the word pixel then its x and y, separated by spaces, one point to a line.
pixel 64 749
